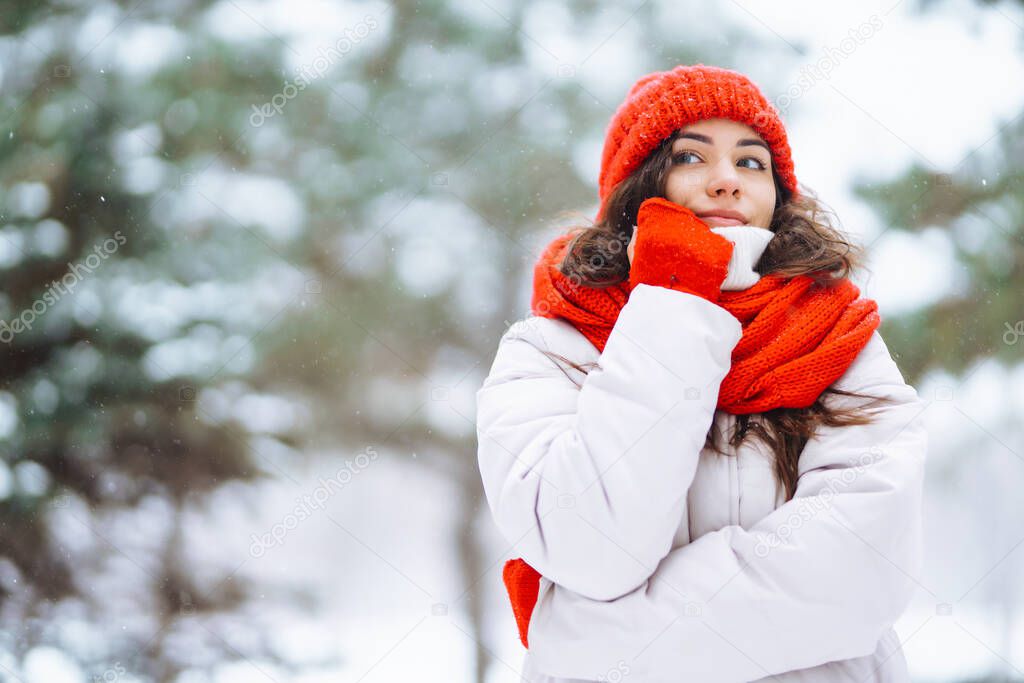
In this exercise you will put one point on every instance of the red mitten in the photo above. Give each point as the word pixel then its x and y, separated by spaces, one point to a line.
pixel 523 584
pixel 676 249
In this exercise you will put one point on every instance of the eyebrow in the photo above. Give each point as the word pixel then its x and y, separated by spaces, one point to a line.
pixel 746 142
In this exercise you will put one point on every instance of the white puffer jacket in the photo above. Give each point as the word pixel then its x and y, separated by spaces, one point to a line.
pixel 664 561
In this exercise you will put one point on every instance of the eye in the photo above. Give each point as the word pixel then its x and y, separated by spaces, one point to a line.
pixel 760 165
pixel 678 158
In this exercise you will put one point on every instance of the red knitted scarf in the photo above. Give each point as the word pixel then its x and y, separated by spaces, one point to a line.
pixel 798 338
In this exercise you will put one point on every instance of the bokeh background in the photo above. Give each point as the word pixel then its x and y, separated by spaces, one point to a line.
pixel 256 257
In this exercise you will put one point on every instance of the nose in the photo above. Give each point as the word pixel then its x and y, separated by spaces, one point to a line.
pixel 723 179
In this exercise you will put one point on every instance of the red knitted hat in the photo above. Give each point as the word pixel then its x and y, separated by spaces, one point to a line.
pixel 661 102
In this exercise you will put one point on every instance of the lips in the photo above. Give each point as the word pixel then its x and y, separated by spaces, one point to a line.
pixel 719 219
pixel 722 217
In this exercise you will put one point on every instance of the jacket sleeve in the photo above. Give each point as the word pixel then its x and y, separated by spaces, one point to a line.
pixel 819 579
pixel 589 482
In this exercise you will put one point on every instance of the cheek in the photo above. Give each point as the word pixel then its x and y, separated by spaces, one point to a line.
pixel 682 182
pixel 765 197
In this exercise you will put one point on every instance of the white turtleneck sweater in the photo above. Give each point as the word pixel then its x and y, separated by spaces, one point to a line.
pixel 749 242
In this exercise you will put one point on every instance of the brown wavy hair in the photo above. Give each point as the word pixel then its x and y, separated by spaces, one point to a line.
pixel 805 243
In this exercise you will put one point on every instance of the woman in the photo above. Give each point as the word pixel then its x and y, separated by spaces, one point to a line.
pixel 706 459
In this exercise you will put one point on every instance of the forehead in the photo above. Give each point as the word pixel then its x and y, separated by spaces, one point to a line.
pixel 719 127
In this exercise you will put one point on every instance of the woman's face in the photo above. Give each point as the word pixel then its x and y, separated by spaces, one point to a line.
pixel 722 165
